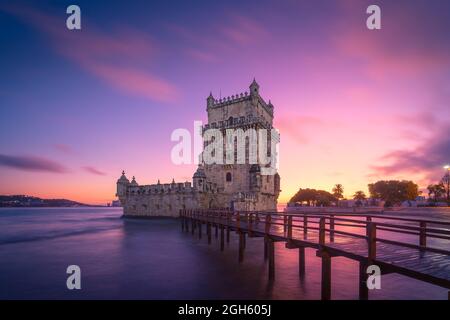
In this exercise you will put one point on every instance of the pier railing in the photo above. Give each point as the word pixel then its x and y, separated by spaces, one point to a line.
pixel 354 235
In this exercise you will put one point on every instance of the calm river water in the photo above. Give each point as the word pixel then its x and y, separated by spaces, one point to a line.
pixel 153 259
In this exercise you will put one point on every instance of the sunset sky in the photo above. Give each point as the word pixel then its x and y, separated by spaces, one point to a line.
pixel 352 105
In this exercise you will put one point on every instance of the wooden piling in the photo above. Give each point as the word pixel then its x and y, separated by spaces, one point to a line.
pixel 301 262
pixel 266 254
pixel 326 276
pixel 271 253
pixel 222 244
pixel 199 229
pixel 241 246
pixel 363 290
pixel 208 232
pixel 217 231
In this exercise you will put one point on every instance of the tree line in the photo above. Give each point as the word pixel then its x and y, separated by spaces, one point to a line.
pixel 392 192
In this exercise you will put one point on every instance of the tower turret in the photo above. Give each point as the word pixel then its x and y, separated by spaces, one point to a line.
pixel 254 88
pixel 122 185
pixel 210 100
pixel 199 178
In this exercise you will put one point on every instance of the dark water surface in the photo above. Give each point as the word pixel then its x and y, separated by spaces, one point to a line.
pixel 153 259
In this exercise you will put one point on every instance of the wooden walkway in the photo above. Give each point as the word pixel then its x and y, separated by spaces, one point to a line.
pixel 369 239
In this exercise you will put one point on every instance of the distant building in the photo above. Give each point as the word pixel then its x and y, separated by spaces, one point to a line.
pixel 115 203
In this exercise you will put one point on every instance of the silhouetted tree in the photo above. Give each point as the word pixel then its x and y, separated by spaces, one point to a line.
pixel 359 195
pixel 313 197
pixel 394 191
pixel 338 192
pixel 436 191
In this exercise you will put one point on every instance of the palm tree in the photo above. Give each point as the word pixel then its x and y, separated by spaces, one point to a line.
pixel 338 192
pixel 359 195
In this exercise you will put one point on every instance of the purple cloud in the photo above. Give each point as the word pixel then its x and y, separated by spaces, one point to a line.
pixel 32 163
pixel 428 158
pixel 94 171
pixel 64 148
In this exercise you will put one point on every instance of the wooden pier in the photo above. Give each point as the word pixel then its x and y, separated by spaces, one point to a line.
pixel 368 239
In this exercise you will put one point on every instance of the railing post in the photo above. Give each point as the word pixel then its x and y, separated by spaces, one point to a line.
pixel 368 219
pixel 322 231
pixel 268 223
pixel 423 234
pixel 372 241
pixel 290 227
pixel 305 227
pixel 332 228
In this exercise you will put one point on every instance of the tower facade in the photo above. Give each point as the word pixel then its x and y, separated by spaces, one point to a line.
pixel 240 176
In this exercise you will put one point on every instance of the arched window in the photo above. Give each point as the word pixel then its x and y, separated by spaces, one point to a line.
pixel 228 177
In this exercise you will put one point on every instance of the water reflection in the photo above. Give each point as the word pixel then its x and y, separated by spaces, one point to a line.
pixel 153 259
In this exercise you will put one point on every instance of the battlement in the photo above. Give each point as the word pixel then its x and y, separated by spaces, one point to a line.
pixel 174 187
pixel 234 122
pixel 217 103
pixel 252 97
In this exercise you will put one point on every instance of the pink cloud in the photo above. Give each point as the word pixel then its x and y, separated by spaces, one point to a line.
pixel 64 148
pixel 243 30
pixel 117 59
pixel 298 127
pixel 93 170
pixel 404 46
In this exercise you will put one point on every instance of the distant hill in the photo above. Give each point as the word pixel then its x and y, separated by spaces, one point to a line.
pixel 27 201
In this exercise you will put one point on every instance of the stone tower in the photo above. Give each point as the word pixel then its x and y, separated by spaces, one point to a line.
pixel 238 185
pixel 242 185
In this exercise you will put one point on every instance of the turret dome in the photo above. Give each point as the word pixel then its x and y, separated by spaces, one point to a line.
pixel 133 182
pixel 200 173
pixel 123 178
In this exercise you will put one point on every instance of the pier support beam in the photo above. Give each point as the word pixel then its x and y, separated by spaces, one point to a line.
pixel 265 249
pixel 326 276
pixel 222 236
pixel 363 290
pixel 241 246
pixel 228 234
pixel 271 253
pixel 199 229
pixel 301 262
pixel 217 232
pixel 208 232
